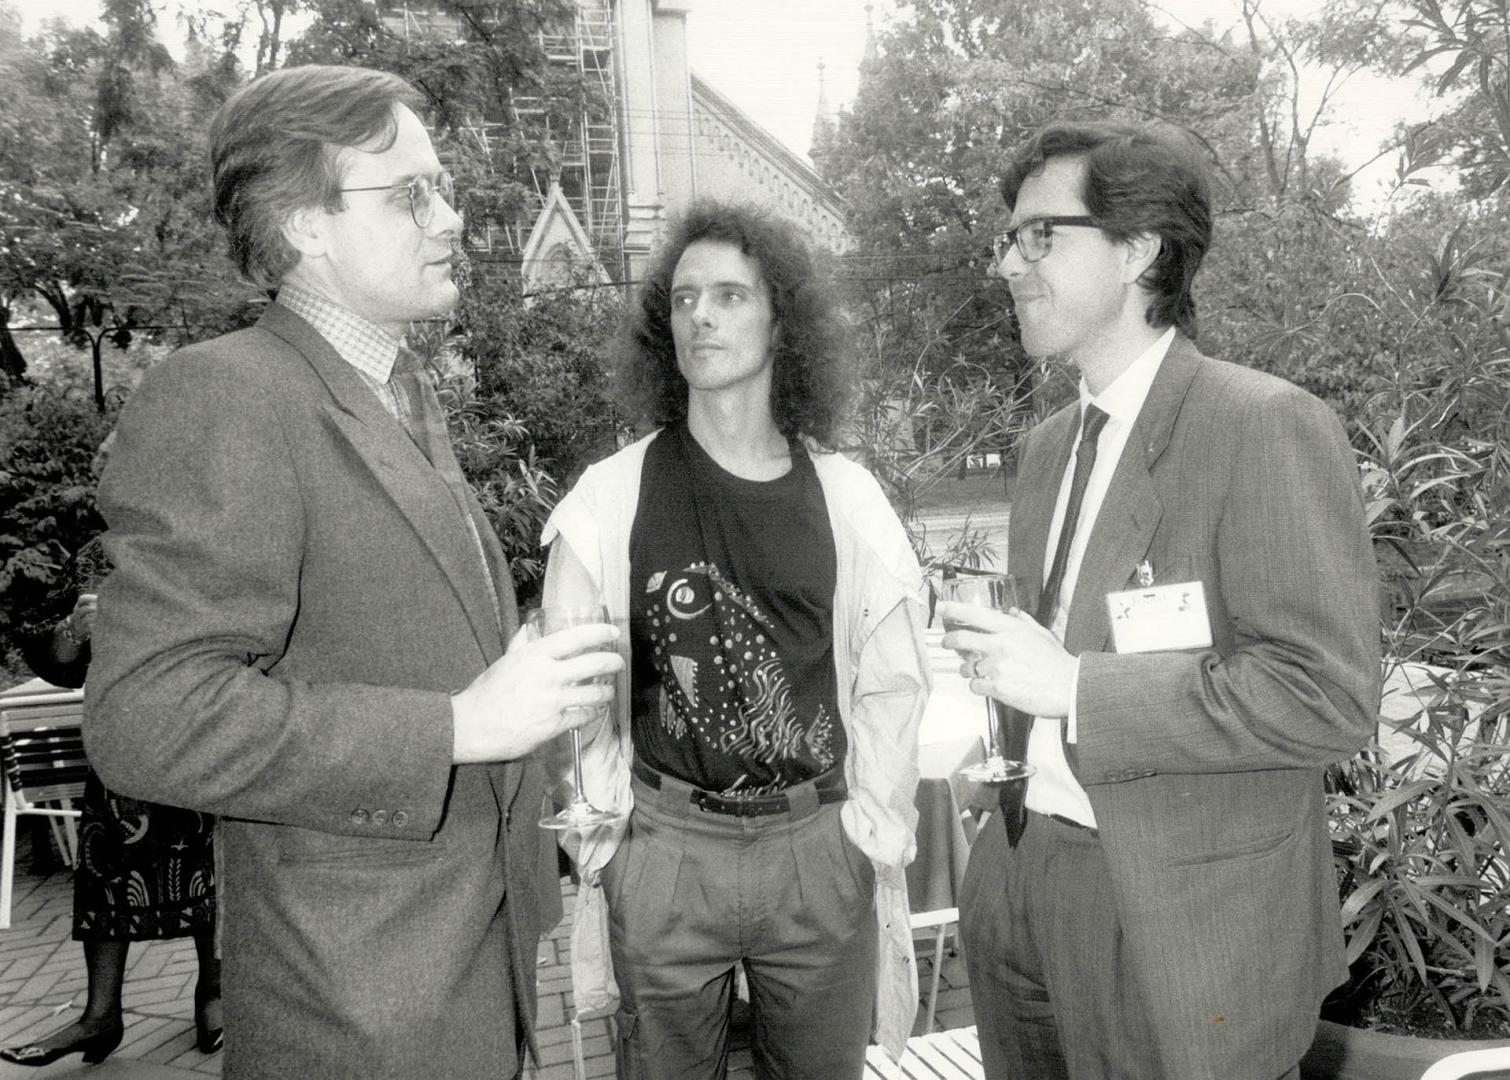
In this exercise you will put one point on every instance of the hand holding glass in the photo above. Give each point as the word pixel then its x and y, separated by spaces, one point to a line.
pixel 580 814
pixel 999 593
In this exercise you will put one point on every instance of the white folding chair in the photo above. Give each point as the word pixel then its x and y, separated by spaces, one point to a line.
pixel 1490 1063
pixel 943 1055
pixel 42 751
pixel 938 922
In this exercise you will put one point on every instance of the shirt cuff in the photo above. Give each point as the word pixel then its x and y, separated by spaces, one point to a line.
pixel 1071 731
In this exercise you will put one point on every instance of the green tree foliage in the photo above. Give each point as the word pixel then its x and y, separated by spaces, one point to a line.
pixel 526 399
pixel 48 437
pixel 501 108
pixel 952 89
pixel 104 215
pixel 1470 38
pixel 532 410
pixel 1292 284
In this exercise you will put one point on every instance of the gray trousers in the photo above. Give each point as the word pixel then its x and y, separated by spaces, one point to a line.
pixel 1052 994
pixel 692 894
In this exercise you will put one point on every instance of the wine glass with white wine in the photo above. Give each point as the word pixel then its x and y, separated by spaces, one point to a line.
pixel 579 813
pixel 999 593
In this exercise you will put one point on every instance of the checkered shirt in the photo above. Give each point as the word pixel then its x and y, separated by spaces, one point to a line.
pixel 362 344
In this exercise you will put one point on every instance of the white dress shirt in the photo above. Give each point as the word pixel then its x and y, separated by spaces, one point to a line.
pixel 1053 788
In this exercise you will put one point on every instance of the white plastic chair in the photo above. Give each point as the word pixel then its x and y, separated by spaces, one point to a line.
pixel 42 751
pixel 943 1055
pixel 938 922
pixel 1494 1061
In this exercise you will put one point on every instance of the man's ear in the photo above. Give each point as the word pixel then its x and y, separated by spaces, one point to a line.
pixel 304 230
pixel 1142 250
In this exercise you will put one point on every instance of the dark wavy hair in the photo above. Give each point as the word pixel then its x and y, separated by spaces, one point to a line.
pixel 1137 180
pixel 811 379
pixel 275 148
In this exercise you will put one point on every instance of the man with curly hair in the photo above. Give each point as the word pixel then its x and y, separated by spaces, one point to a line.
pixel 766 747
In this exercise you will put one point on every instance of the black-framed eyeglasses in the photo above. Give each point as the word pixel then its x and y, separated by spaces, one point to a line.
pixel 422 192
pixel 1035 237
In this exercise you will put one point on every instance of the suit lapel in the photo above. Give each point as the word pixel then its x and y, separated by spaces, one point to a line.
pixel 382 446
pixel 1131 511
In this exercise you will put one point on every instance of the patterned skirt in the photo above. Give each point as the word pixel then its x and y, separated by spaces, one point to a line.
pixel 145 870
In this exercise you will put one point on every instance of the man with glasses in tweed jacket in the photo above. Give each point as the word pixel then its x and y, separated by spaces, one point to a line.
pixel 311 630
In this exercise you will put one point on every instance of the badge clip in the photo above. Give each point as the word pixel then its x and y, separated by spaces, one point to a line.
pixel 1144 574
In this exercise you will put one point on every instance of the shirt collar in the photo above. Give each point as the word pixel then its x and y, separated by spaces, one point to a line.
pixel 361 343
pixel 1123 399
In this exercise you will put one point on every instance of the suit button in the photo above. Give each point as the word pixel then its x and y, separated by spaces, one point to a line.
pixel 380 817
pixel 400 819
pixel 359 817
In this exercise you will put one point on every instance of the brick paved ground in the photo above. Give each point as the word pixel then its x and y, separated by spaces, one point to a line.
pixel 42 972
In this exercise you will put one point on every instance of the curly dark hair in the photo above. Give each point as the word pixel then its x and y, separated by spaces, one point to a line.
pixel 811 379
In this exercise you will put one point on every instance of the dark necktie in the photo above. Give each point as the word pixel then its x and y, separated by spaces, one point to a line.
pixel 1018 724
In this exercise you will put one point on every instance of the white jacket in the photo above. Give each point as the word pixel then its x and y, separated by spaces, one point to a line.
pixel 881 665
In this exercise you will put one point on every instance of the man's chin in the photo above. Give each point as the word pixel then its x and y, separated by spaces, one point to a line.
pixel 441 300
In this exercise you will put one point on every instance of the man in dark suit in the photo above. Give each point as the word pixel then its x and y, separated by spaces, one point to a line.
pixel 310 630
pixel 1157 900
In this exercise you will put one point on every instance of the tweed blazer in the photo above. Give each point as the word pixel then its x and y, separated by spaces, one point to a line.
pixel 1204 767
pixel 296 593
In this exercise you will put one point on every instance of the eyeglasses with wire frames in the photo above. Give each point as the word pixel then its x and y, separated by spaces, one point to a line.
pixel 422 193
pixel 1035 237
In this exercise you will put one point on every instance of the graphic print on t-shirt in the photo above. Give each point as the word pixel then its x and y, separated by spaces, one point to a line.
pixel 721 675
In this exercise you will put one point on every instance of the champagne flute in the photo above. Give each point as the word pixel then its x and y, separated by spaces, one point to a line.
pixel 998 592
pixel 579 814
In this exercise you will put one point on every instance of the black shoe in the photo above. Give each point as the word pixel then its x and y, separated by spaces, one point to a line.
pixel 209 1031
pixel 95 1038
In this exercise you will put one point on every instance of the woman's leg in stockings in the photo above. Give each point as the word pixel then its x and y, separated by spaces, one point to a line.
pixel 106 963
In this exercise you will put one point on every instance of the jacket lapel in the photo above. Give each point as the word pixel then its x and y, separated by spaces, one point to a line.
pixel 382 446
pixel 1132 508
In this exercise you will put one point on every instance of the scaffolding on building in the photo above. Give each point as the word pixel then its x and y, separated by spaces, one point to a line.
pixel 587 152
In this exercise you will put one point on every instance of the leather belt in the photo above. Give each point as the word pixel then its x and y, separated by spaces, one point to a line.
pixel 831 788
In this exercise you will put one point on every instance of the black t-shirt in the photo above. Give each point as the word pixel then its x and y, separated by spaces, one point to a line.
pixel 731 597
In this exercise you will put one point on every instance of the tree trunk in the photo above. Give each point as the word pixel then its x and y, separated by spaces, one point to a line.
pixel 12 363
pixel 97 343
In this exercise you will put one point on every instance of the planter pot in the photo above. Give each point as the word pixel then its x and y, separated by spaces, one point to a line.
pixel 1346 1053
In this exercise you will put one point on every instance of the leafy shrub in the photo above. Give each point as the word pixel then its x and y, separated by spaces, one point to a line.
pixel 48 436
pixel 1422 832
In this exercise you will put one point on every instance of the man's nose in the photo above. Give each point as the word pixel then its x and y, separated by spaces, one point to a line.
pixel 447 217
pixel 1011 265
pixel 702 310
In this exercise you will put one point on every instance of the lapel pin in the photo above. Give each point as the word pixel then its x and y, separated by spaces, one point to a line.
pixel 1144 574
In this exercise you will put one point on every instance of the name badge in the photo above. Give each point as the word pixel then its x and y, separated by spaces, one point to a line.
pixel 1160 619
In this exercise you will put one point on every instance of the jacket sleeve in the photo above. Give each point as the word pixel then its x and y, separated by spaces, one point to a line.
pixel 186 703
pixel 1299 686
pixel 584 534
pixel 889 683
pixel 890 693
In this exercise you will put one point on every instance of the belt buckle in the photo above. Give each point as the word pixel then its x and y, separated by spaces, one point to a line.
pixel 711 802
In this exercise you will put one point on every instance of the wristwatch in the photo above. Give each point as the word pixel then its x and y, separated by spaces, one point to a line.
pixel 68 632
